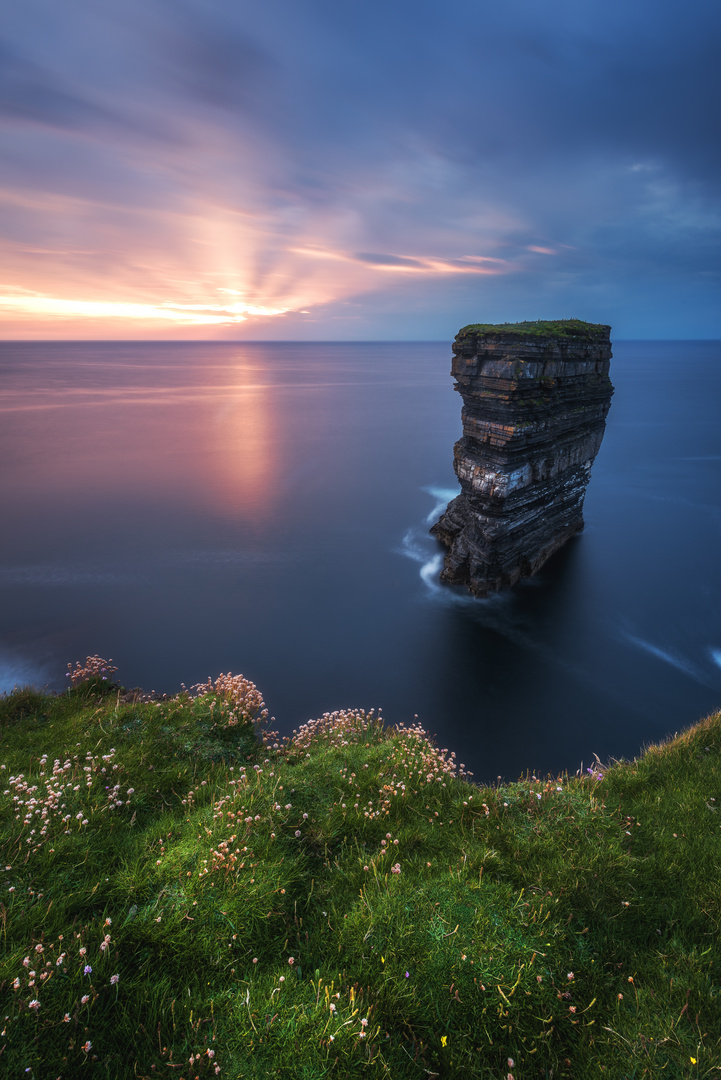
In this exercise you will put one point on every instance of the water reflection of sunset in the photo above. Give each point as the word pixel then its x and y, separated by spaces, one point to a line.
pixel 247 449
pixel 193 431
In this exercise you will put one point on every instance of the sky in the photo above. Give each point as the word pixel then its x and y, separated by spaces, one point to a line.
pixel 364 170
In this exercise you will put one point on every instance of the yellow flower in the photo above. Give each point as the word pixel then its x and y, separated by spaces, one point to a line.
pixel 693 1061
pixel 444 1040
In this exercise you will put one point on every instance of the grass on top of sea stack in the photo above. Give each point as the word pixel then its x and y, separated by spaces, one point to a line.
pixel 574 329
pixel 178 890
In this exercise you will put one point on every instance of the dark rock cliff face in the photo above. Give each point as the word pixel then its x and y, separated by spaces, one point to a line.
pixel 535 399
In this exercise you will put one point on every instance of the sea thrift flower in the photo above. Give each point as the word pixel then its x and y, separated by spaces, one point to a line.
pixel 35 1004
pixel 87 970
pixel 114 980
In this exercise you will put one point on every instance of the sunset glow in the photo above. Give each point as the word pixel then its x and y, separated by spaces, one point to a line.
pixel 274 171
pixel 204 314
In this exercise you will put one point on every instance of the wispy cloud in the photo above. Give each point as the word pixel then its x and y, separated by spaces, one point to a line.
pixel 155 154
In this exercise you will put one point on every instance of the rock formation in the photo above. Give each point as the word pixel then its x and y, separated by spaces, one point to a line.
pixel 535 399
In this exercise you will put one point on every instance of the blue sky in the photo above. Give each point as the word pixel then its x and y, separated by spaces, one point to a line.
pixel 285 169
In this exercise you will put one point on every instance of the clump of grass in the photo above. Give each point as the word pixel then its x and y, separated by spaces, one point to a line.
pixel 183 888
pixel 572 329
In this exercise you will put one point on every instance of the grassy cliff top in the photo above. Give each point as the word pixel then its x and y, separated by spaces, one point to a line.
pixel 541 328
pixel 179 885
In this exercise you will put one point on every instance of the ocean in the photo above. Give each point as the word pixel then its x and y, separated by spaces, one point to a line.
pixel 263 508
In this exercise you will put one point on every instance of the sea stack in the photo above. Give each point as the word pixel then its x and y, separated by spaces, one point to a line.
pixel 535 400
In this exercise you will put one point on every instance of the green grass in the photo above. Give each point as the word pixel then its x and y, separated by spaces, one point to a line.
pixel 346 903
pixel 570 329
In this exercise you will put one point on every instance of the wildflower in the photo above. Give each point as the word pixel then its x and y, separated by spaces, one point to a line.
pixel 85 999
pixel 444 1040
pixel 39 949
pixel 332 1007
pixel 83 951
pixel 114 980
pixel 570 976
pixel 87 970
pixel 255 959
pixel 408 974
pixel 282 978
pixel 86 1046
pixel 396 869
pixel 511 1063
pixel 35 1004
pixel 66 1018
pixel 291 960
pixel 572 1008
pixel 297 832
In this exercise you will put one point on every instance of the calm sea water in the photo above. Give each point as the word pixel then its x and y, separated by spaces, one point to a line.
pixel 188 509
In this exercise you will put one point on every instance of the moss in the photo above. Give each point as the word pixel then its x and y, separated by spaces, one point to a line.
pixel 572 329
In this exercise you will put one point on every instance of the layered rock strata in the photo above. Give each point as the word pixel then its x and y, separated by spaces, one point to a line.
pixel 535 400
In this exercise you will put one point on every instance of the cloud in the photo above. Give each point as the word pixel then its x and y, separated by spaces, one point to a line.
pixel 161 152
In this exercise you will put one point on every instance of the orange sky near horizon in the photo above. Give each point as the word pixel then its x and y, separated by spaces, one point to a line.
pixel 114 272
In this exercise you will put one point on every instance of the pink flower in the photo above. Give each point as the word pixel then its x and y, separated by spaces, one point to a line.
pixel 35 1004
pixel 86 1046
pixel 114 980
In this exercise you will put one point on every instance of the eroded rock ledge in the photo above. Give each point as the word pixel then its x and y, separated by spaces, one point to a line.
pixel 535 400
